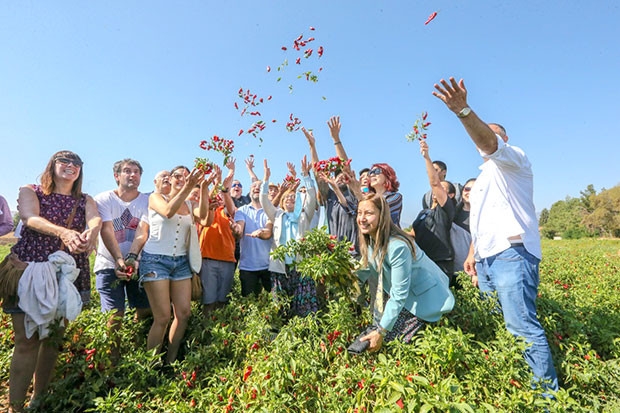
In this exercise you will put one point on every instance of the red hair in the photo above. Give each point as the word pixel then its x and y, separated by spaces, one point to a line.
pixel 390 176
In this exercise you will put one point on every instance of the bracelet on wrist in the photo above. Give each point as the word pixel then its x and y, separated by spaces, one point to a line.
pixel 224 191
pixel 337 143
pixel 132 256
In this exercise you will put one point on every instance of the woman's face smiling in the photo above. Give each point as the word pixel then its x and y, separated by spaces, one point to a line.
pixel 177 179
pixel 367 218
pixel 67 168
pixel 377 178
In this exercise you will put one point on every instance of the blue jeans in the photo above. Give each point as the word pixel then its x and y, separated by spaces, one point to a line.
pixel 513 274
pixel 113 291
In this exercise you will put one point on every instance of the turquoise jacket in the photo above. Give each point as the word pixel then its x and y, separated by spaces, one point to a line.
pixel 415 284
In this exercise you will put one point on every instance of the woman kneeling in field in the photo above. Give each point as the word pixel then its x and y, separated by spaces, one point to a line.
pixel 412 286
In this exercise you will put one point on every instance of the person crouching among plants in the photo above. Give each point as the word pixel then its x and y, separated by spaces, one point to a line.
pixel 411 288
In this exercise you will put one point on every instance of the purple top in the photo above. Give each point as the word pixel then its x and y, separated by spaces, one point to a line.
pixel 35 246
pixel 6 219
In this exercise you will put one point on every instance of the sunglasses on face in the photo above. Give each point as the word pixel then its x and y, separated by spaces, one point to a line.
pixel 236 186
pixel 375 171
pixel 467 189
pixel 69 161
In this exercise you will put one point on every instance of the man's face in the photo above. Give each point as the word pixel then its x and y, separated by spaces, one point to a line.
pixel 441 172
pixel 236 189
pixel 273 191
pixel 364 181
pixel 162 182
pixel 128 177
pixel 255 191
pixel 342 181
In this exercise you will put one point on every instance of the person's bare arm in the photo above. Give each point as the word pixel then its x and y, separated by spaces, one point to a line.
pixel 228 201
pixel 168 208
pixel 334 130
pixel 249 164
pixel 454 95
pixel 433 177
pixel 29 212
pixel 323 187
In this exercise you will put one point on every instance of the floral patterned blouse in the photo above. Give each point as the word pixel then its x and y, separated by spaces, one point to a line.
pixel 34 246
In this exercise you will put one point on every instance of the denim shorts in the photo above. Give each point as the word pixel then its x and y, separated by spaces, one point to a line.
pixel 113 291
pixel 156 267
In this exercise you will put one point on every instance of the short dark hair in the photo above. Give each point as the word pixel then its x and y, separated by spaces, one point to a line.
pixel 442 165
pixel 363 170
pixel 470 180
pixel 451 188
pixel 118 165
pixel 499 126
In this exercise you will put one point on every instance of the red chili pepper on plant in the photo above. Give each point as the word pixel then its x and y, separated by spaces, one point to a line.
pixel 246 374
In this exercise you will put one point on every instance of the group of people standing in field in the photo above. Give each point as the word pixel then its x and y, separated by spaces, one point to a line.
pixel 487 227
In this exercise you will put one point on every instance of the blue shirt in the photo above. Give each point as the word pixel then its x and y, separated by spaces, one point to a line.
pixel 416 284
pixel 254 254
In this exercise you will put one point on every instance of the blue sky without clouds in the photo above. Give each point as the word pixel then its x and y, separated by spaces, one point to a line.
pixel 150 79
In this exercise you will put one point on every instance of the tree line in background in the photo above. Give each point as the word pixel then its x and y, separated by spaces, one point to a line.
pixel 590 215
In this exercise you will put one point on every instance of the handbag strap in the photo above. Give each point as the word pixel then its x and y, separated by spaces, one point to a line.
pixel 72 215
pixel 69 222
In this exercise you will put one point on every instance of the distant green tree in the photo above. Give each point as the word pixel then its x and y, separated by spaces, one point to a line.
pixel 587 195
pixel 543 218
pixel 565 219
pixel 605 215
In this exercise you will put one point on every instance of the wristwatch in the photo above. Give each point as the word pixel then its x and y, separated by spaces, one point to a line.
pixel 464 112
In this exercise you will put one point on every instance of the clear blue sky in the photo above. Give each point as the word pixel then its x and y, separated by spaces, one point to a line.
pixel 150 79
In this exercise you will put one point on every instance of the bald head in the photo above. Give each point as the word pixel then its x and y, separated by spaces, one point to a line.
pixel 162 182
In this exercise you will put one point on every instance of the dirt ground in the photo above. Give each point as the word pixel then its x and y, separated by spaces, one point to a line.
pixel 8 239
pixel 4 397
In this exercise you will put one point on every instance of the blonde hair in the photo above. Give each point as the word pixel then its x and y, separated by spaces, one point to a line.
pixel 386 229
pixel 284 195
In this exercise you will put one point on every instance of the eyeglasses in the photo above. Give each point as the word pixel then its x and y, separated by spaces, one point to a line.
pixel 467 189
pixel 69 161
pixel 236 186
pixel 376 171
pixel 178 176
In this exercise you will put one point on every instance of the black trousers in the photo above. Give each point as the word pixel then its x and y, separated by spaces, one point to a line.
pixel 254 281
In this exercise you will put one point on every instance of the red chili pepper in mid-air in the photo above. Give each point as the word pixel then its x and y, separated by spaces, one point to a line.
pixel 430 18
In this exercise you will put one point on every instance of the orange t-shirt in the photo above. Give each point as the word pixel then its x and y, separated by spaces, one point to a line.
pixel 217 241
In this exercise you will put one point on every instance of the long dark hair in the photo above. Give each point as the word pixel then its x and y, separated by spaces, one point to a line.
pixel 385 230
pixel 48 185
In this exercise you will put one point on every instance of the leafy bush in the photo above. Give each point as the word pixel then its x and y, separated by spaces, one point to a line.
pixel 245 357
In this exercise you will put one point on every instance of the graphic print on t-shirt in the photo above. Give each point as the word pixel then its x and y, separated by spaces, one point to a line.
pixel 125 227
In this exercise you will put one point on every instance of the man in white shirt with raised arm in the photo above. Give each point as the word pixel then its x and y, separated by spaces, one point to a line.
pixel 505 249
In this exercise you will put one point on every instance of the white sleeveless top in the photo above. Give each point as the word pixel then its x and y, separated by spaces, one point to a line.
pixel 168 236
